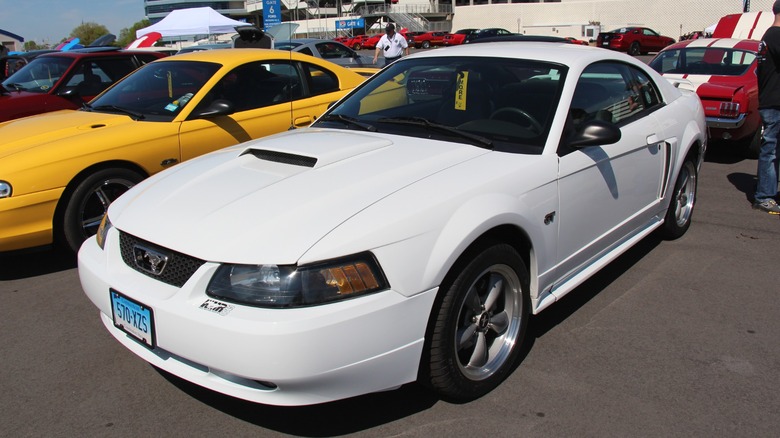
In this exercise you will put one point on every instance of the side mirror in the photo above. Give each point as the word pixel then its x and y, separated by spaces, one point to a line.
pixel 595 133
pixel 70 93
pixel 219 107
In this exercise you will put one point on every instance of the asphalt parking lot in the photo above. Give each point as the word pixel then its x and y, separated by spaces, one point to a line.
pixel 673 339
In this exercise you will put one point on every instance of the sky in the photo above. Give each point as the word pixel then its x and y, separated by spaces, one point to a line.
pixel 50 21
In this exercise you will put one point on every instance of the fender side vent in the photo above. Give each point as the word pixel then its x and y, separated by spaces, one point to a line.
pixel 281 157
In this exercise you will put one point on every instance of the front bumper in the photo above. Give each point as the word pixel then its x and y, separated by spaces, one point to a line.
pixel 272 356
pixel 26 220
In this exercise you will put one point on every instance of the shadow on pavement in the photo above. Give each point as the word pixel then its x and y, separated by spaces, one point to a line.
pixel 35 262
pixel 323 420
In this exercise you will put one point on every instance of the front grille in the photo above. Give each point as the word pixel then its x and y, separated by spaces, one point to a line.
pixel 178 269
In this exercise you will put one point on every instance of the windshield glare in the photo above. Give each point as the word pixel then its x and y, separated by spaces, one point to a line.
pixel 39 76
pixel 712 61
pixel 159 90
pixel 509 102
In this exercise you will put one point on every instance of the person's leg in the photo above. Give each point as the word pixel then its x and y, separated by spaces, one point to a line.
pixel 766 189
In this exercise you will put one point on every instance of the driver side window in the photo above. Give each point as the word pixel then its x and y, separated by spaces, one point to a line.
pixel 612 92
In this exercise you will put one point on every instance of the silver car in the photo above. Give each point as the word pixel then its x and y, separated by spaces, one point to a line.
pixel 330 50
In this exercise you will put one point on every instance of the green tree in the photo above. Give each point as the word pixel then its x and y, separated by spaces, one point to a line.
pixel 32 45
pixel 88 32
pixel 127 35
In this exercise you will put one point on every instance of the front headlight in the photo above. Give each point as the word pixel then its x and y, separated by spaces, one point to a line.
pixel 105 225
pixel 5 189
pixel 296 286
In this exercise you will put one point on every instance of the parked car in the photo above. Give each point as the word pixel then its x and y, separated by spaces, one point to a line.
pixel 723 72
pixel 203 47
pixel 429 39
pixel 634 40
pixel 65 80
pixel 578 41
pixel 454 39
pixel 356 42
pixel 409 234
pixel 60 170
pixel 371 42
pixel 328 50
pixel 10 63
pixel 486 33
pixel 409 36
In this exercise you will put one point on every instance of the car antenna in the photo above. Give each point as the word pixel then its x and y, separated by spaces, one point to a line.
pixel 289 90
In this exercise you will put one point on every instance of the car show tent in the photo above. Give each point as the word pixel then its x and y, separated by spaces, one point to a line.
pixel 192 21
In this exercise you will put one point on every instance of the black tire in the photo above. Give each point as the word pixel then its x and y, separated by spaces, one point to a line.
pixel 633 50
pixel 357 46
pixel 426 45
pixel 89 201
pixel 475 336
pixel 680 212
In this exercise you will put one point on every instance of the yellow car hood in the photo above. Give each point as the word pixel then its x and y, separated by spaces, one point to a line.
pixel 23 134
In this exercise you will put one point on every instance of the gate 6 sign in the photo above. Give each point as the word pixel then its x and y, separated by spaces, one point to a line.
pixel 272 13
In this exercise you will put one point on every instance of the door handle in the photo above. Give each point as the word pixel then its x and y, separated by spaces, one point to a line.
pixel 652 139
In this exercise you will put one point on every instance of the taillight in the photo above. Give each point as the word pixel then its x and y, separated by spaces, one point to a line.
pixel 729 109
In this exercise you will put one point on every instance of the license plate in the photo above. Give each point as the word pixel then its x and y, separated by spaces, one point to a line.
pixel 605 43
pixel 133 318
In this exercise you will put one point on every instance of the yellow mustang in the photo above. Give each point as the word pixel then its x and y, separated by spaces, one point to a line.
pixel 60 171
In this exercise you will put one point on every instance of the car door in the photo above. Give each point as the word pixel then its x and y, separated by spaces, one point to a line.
pixel 608 193
pixel 267 96
pixel 651 41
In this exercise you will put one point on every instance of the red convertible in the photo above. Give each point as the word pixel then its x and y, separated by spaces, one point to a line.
pixel 723 72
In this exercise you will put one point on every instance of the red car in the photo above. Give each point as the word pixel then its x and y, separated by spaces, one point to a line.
pixel 634 40
pixel 723 72
pixel 429 39
pixel 65 80
pixel 453 39
pixel 356 42
pixel 576 41
pixel 371 42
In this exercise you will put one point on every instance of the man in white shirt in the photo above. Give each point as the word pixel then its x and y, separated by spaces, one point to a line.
pixel 392 44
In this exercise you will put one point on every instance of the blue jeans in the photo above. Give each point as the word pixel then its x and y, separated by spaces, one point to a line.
pixel 767 155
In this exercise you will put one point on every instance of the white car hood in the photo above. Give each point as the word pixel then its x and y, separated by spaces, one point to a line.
pixel 239 205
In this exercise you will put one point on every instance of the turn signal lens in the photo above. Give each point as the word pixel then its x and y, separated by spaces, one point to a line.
pixel 5 189
pixel 102 231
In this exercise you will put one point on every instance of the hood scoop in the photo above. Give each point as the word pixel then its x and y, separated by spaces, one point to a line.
pixel 282 157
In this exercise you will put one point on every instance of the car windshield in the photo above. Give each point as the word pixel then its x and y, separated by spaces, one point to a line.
pixel 714 61
pixel 503 104
pixel 39 76
pixel 157 91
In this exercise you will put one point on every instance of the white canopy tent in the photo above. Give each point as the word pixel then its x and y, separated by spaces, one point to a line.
pixel 192 21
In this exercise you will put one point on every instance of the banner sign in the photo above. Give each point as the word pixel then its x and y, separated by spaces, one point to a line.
pixel 350 24
pixel 272 13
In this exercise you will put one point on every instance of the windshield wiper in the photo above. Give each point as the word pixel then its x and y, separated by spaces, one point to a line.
pixel 421 121
pixel 134 115
pixel 349 121
pixel 17 87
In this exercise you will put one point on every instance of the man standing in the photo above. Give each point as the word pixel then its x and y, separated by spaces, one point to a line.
pixel 393 45
pixel 769 108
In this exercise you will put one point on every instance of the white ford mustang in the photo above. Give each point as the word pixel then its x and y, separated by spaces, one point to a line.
pixel 409 234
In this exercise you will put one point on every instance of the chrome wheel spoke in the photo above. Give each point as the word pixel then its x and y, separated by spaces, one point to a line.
pixel 472 301
pixel 499 323
pixel 479 356
pixel 466 336
pixel 495 287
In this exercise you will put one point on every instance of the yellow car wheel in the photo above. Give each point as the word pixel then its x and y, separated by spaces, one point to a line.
pixel 90 201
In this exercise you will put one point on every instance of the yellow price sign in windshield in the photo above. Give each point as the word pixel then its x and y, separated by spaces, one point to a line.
pixel 461 91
